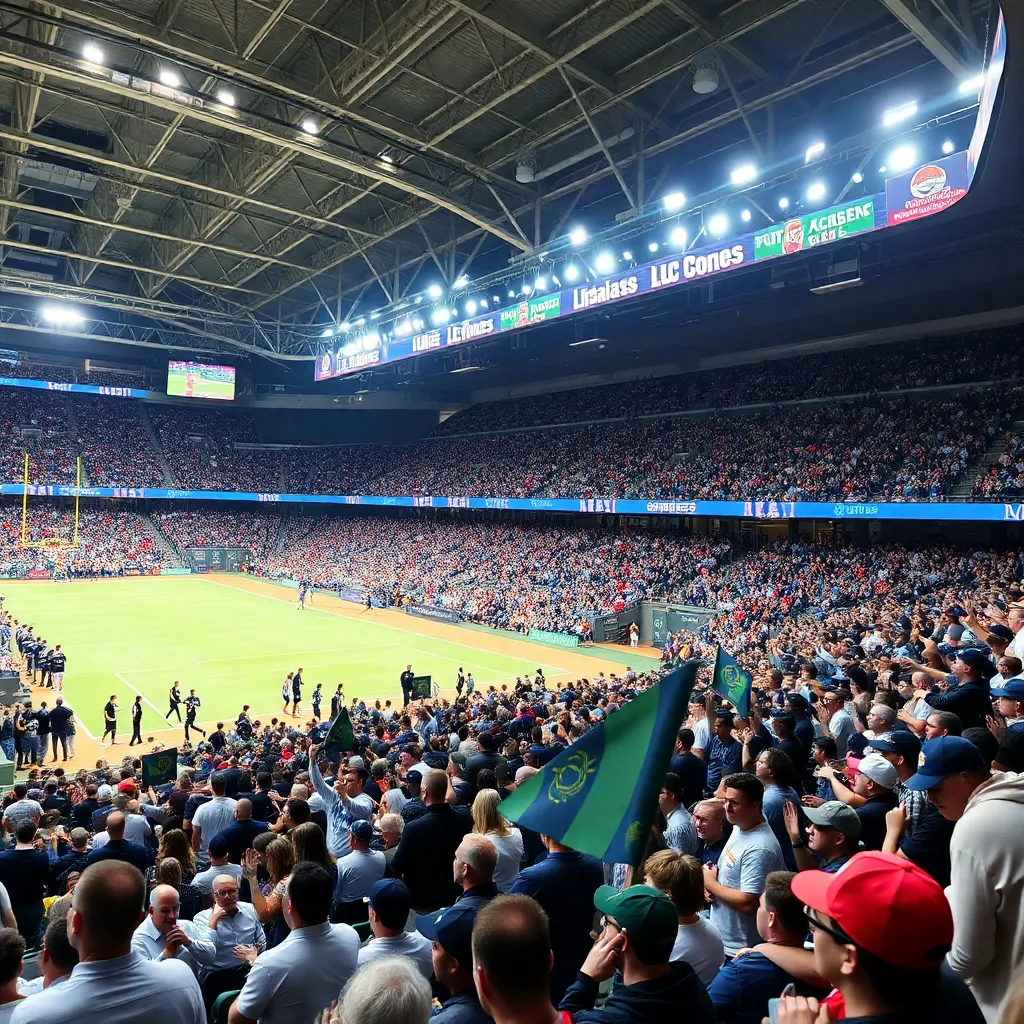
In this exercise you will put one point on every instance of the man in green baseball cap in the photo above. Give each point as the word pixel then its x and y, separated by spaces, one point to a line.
pixel 638 931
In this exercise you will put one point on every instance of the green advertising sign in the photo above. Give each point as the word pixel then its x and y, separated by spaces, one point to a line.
pixel 531 311
pixel 558 639
pixel 814 229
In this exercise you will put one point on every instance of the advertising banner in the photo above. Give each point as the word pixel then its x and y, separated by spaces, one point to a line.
pixel 812 229
pixel 558 639
pixel 183 571
pixel 80 389
pixel 39 574
pixel 928 190
pixel 421 687
pixel 324 366
pixel 429 611
pixel 344 594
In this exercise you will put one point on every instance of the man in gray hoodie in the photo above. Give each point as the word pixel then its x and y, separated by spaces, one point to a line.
pixel 986 891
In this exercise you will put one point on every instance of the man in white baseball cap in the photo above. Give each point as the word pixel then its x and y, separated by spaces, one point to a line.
pixel 875 780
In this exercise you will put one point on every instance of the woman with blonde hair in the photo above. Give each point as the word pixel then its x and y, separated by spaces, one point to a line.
pixel 278 859
pixel 506 839
pixel 698 942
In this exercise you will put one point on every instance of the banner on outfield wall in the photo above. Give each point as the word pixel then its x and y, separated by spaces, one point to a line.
pixel 430 611
pixel 928 190
pixel 39 574
pixel 183 571
pixel 558 639
pixel 355 596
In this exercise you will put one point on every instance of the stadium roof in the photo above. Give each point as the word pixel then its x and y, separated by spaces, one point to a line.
pixel 228 174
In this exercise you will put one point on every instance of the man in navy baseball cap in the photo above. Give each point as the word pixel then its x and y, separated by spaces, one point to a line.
pixel 943 757
pixel 1011 702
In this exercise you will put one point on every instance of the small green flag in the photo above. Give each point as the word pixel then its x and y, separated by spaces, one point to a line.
pixel 159 767
pixel 600 795
pixel 732 683
pixel 341 732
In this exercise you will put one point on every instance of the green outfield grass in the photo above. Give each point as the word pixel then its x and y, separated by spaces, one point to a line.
pixel 137 635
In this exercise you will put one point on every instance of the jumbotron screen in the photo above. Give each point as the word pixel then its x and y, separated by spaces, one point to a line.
pixel 200 380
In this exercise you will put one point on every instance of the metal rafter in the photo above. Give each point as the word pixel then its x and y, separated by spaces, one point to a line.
pixel 920 25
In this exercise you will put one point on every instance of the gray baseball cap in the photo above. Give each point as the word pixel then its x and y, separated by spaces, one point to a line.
pixel 835 814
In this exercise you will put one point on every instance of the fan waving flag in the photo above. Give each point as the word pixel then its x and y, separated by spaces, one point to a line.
pixel 159 767
pixel 732 683
pixel 341 733
pixel 600 795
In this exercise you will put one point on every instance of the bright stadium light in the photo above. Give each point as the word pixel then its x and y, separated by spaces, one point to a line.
pixel 226 97
pixel 678 238
pixel 62 316
pixel 743 174
pixel 652 246
pixel 578 236
pixel 605 263
pixel 972 84
pixel 902 158
pixel 857 177
pixel 816 192
pixel 435 291
pixel 309 126
pixel 169 78
pixel 572 272
pixel 461 282
pixel 470 307
pixel 440 316
pixel 745 216
pixel 511 294
pixel 784 203
pixel 719 224
pixel 92 53
pixel 327 332
pixel 346 326
pixel 627 255
pixel 894 115
pixel 814 150
pixel 674 202
pixel 948 147
pixel 483 303
pixel 540 284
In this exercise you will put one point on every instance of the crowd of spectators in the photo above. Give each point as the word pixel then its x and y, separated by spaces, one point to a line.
pixel 192 528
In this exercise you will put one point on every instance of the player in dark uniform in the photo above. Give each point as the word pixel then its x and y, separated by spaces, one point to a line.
pixel 174 697
pixel 296 692
pixel 110 721
pixel 337 699
pixel 136 722
pixel 318 696
pixel 192 704
pixel 406 679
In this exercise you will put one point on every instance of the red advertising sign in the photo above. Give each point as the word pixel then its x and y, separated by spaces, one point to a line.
pixel 927 190
pixel 39 574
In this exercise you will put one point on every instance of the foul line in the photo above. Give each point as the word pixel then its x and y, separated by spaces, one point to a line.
pixel 141 694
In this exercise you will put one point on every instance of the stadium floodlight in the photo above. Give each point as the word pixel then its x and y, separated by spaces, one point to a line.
pixel 540 284
pixel 678 238
pixel 605 263
pixel 403 327
pixel 816 192
pixel 62 316
pixel 461 282
pixel 526 289
pixel 346 326
pixel 483 303
pixel 814 150
pixel 309 126
pixel 92 53
pixel 435 291
pixel 572 272
pixel 745 216
pixel 327 332
pixel 169 78
pixel 894 115
pixel 440 316
pixel 470 307
pixel 857 177
pixel 972 84
pixel 743 175
pixel 375 315
pixel 386 156
pixel 226 97
pixel 511 294
pixel 627 255
pixel 578 236
pixel 948 147
pixel 719 224
pixel 497 299
pixel 360 321
pixel 674 202
pixel 902 158
pixel 652 246
pixel 784 202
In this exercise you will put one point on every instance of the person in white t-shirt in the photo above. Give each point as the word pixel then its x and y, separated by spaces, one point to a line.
pixel 212 817
pixel 698 942
pixel 219 865
pixel 505 838
pixel 751 853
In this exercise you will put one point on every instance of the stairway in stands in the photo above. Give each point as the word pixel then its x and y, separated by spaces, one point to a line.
pixel 169 480
pixel 962 491
pixel 174 557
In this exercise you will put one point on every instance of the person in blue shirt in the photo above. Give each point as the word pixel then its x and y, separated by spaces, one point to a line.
pixel 692 771
pixel 725 755
pixel 742 988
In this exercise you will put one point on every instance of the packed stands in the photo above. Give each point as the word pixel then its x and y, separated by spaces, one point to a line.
pixel 194 528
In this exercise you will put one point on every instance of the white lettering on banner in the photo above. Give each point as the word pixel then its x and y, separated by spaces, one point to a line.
pixel 468 332
pixel 362 359
pixel 712 262
pixel 837 218
pixel 606 292
pixel 427 341
pixel 1014 512
pixel 676 508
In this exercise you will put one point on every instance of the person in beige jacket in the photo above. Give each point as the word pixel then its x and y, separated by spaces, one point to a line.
pixel 986 890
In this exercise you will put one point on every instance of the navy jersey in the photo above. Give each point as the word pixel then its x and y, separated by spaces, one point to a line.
pixel 191 703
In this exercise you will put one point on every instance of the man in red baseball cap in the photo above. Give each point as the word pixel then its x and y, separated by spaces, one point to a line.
pixel 882 928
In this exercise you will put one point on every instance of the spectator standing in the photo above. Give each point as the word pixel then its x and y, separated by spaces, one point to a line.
pixel 506 839
pixel 875 781
pixel 563 883
pixel 358 871
pixel 712 830
pixel 389 907
pixel 25 874
pixel 111 982
pixel 751 853
pixel 452 961
pixel 238 836
pixel 212 817
pixel 219 865
pixel 118 848
pixel 638 933
pixel 345 801
pixel 295 980
pixel 725 755
pixel 986 886
pixel 691 769
pixel 60 725
pixel 778 776
pixel 679 833
pixel 832 838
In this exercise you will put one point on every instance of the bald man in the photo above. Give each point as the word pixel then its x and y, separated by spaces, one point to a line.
pixel 242 831
pixel 111 981
pixel 161 936
pixel 117 847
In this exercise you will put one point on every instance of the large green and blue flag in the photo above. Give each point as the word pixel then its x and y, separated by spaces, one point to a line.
pixel 340 733
pixel 600 795
pixel 160 767
pixel 732 683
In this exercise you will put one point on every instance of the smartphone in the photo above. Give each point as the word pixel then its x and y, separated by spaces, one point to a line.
pixel 773 1004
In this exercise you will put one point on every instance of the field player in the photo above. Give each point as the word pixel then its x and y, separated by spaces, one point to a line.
pixel 174 699
pixel 302 596
pixel 296 692
pixel 192 704
pixel 110 721
pixel 58 661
